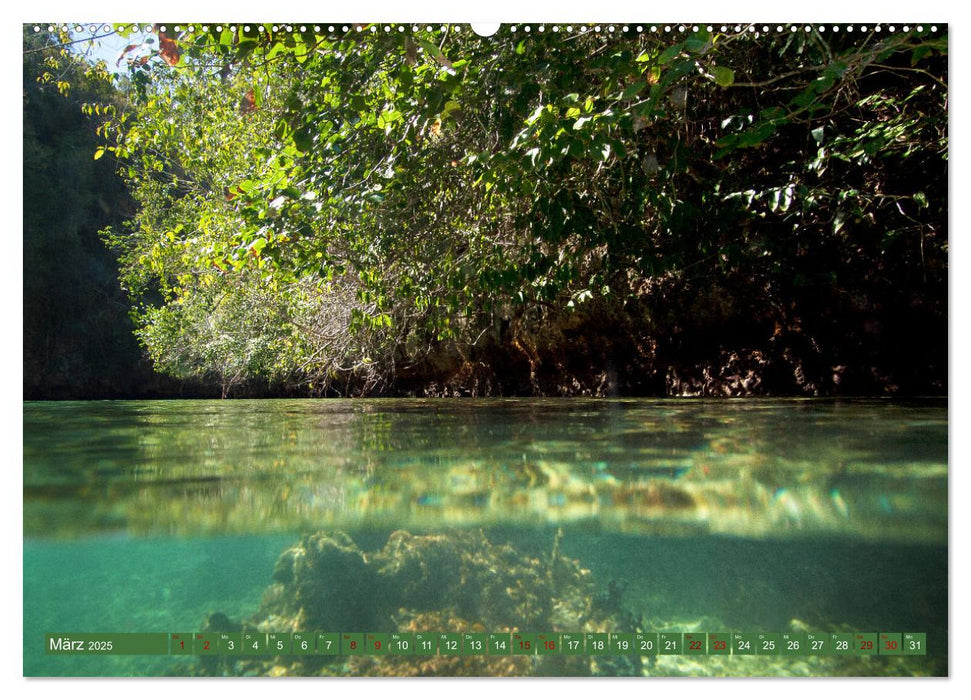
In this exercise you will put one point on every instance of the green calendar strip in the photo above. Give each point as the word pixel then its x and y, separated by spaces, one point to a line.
pixel 784 644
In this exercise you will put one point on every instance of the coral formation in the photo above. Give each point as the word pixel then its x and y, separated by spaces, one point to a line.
pixel 456 582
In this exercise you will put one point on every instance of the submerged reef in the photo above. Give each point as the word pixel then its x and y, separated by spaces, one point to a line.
pixel 456 582
pixel 461 582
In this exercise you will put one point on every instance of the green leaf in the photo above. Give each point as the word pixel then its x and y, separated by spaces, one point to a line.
pixel 432 50
pixel 245 48
pixel 633 89
pixel 670 53
pixel 99 152
pixel 834 71
pixel 724 77
pixel 258 245
pixel 696 44
pixel 919 54
pixel 300 51
pixel 756 135
pixel 281 129
pixel 303 139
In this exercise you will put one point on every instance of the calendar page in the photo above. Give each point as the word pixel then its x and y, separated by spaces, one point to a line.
pixel 517 349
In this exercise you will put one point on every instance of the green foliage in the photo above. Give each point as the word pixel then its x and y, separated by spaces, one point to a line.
pixel 324 209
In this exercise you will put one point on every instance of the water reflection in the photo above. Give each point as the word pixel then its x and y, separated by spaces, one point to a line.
pixel 769 468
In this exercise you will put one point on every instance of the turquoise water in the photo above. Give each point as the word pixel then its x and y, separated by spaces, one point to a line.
pixel 769 515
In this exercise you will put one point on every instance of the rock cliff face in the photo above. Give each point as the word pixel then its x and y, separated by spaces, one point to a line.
pixel 459 582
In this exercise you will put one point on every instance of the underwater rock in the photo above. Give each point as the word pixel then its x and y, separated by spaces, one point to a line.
pixel 456 582
pixel 219 622
pixel 318 586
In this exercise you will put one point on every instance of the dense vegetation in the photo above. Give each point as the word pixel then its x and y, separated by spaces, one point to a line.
pixel 385 210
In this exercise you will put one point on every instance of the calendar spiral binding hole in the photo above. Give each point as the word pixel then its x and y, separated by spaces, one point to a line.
pixel 629 29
